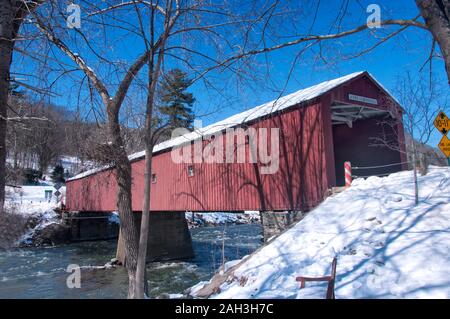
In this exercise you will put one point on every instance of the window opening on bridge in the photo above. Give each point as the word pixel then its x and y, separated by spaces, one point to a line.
pixel 153 178
pixel 190 170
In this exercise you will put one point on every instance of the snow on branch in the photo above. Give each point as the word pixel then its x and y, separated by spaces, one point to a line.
pixel 74 57
pixel 24 118
pixel 124 4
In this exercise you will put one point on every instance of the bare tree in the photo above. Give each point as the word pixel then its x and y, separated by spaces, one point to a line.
pixel 12 14
pixel 421 101
pixel 46 136
pixel 154 66
pixel 116 147
pixel 35 132
pixel 436 14
pixel 185 19
pixel 190 21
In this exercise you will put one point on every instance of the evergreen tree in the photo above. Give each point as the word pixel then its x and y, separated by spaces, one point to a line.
pixel 177 104
pixel 58 174
pixel 31 176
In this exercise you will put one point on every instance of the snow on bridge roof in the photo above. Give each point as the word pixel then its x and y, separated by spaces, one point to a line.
pixel 281 103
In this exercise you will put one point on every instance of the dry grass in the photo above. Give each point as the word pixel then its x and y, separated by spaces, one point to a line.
pixel 12 227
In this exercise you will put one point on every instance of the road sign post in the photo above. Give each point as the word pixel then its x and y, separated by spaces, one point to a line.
pixel 442 123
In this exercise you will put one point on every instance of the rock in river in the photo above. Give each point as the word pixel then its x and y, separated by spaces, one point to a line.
pixel 52 234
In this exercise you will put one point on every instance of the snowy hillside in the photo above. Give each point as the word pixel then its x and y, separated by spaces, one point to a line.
pixel 385 246
pixel 30 202
pixel 31 199
pixel 73 165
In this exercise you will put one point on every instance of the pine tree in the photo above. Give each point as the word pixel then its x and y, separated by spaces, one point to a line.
pixel 58 174
pixel 176 102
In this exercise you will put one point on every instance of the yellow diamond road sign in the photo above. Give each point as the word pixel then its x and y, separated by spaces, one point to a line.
pixel 444 146
pixel 442 123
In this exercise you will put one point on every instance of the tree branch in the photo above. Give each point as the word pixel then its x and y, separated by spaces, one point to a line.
pixel 75 57
pixel 124 4
pixel 400 22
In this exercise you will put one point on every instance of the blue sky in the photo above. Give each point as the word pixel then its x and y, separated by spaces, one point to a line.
pixel 269 76
pixel 405 53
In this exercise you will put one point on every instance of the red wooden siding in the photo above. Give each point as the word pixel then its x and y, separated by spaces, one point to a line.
pixel 226 187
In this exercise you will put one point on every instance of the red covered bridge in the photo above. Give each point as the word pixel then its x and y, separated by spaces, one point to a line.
pixel 320 127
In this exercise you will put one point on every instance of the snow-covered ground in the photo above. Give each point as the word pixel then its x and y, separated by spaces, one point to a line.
pixel 30 202
pixel 386 247
pixel 31 199
pixel 221 218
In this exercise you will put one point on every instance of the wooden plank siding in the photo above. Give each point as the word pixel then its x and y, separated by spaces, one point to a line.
pixel 306 166
pixel 300 179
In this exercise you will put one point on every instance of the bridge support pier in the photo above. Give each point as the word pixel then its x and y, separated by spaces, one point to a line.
pixel 274 223
pixel 168 239
pixel 85 226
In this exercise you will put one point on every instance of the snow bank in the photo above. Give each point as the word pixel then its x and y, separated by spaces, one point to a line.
pixel 385 245
pixel 221 218
pixel 30 202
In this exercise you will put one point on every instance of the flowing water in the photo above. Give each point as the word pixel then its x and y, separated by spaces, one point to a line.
pixel 41 272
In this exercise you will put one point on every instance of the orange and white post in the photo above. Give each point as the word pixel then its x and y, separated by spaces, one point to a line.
pixel 348 173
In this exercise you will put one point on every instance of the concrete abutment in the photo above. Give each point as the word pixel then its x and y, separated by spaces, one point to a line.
pixel 169 237
pixel 274 223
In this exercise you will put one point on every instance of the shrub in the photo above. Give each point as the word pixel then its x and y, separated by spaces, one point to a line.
pixel 31 176
pixel 58 174
pixel 12 227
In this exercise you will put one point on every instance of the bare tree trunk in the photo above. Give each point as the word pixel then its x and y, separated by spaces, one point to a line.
pixel 416 184
pixel 12 13
pixel 141 287
pixel 128 225
pixel 437 18
pixel 223 246
pixel 143 238
pixel 153 74
pixel 7 13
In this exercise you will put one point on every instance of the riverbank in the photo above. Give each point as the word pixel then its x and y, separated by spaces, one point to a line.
pixel 28 214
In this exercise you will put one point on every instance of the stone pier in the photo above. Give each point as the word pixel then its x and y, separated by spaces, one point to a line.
pixel 274 223
pixel 85 226
pixel 169 237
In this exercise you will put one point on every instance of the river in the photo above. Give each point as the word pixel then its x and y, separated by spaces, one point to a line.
pixel 41 272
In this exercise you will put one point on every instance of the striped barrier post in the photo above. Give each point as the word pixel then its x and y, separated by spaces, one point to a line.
pixel 348 173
